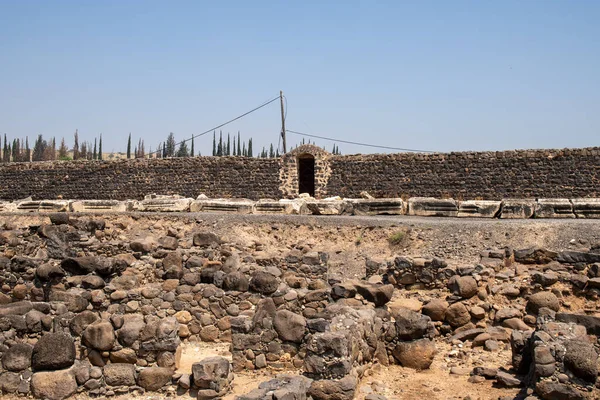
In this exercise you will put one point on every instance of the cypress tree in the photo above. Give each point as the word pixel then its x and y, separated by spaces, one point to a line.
pixel 76 146
pixel 220 146
pixel 214 153
pixel 27 150
pixel 183 150
pixel 100 148
pixel 164 150
pixel 239 147
pixel 129 146
pixel 244 151
pixel 271 152
pixel 234 152
pixel 250 148
pixel 192 150
pixel 5 153
pixel 95 152
pixel 228 145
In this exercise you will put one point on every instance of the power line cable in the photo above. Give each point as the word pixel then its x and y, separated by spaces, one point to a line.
pixel 223 124
pixel 357 143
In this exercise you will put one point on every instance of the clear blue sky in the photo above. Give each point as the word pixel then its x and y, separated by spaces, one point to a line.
pixel 435 75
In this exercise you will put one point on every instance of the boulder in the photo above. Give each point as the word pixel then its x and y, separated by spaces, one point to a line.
pixel 119 374
pixel 581 359
pixel 9 382
pixel 213 373
pixel 375 293
pixel 410 325
pixel 436 309
pixel 457 315
pixel 17 357
pixel 79 265
pixel 205 239
pixel 416 354
pixel 290 327
pixel 142 245
pixel 342 389
pixel 53 351
pixel 542 299
pixel 264 283
pixel 463 286
pixel 154 378
pixel 99 335
pixel 173 266
pixel 549 390
pixel 55 385
pixel 236 281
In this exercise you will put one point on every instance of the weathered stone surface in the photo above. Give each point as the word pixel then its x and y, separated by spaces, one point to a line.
pixel 410 325
pixel 53 351
pixel 342 389
pixel 205 239
pixel 542 299
pixel 436 309
pixel 212 373
pixel 432 207
pixel 554 208
pixel 457 315
pixel 119 374
pixel 463 286
pixel 264 282
pixel 581 358
pixel 17 357
pixel 99 335
pixel 416 354
pixel 517 208
pixel 153 378
pixel 479 208
pixel 54 385
pixel 289 326
pixel 377 294
pixel 549 390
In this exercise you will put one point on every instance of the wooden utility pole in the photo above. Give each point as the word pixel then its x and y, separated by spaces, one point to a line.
pixel 282 122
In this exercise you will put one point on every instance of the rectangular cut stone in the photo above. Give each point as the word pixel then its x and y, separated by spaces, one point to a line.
pixel 479 208
pixel 240 206
pixel 391 206
pixel 517 208
pixel 6 206
pixel 554 208
pixel 295 206
pixel 98 206
pixel 432 207
pixel 329 207
pixel 43 206
pixel 586 208
pixel 269 207
pixel 163 205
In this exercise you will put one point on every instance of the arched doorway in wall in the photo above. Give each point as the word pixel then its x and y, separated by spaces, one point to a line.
pixel 306 174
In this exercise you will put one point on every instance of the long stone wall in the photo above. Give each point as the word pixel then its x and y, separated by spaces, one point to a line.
pixel 567 173
pixel 132 179
pixel 469 175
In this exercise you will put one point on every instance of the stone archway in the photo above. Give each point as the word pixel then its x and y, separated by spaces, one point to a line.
pixel 305 169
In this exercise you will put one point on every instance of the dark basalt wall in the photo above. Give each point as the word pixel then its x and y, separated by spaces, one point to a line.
pixel 133 179
pixel 468 175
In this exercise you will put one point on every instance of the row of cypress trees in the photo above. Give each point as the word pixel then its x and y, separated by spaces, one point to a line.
pixel 45 150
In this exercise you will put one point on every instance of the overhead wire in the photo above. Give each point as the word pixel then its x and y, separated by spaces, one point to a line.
pixel 223 124
pixel 358 143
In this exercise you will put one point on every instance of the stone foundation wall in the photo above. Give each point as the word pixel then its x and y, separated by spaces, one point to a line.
pixel 567 173
pixel 239 177
pixel 469 175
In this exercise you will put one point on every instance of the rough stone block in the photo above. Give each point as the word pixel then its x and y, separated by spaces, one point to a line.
pixel 267 206
pixel 391 206
pixel 517 208
pixel 6 206
pixel 586 208
pixel 479 208
pixel 554 208
pixel 431 207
